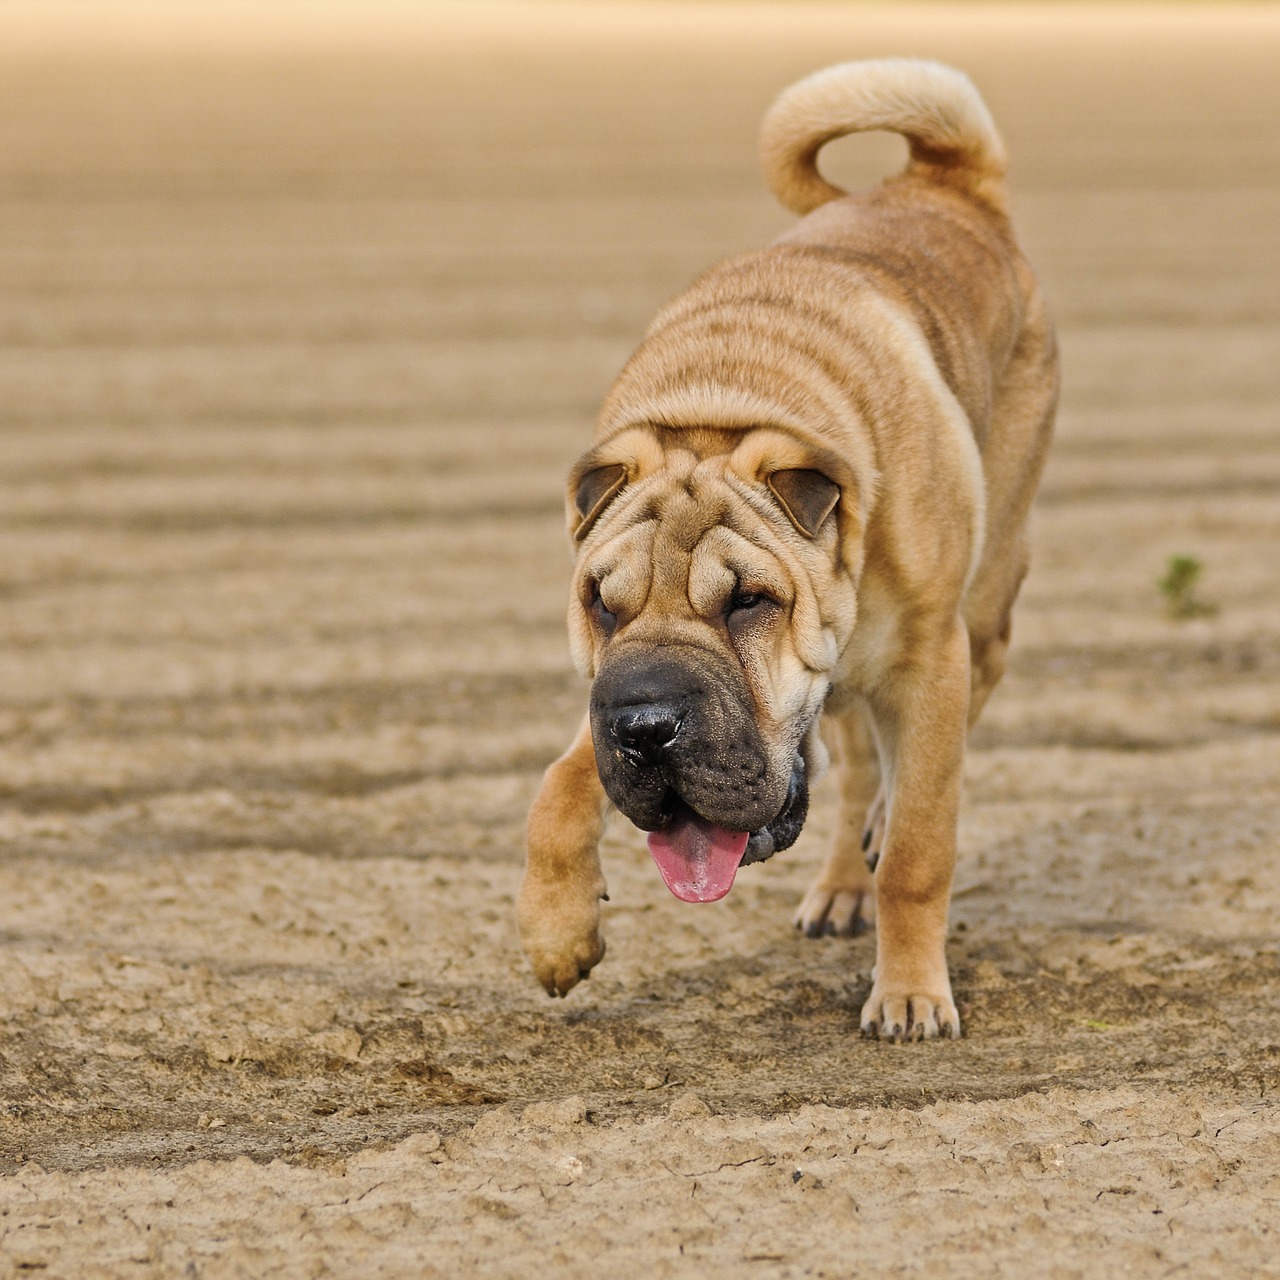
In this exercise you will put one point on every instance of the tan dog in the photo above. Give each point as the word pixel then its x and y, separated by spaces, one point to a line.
pixel 808 494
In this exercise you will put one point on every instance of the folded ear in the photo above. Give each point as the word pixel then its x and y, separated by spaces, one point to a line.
pixel 808 497
pixel 593 490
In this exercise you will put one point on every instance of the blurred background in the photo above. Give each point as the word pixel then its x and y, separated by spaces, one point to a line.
pixel 305 309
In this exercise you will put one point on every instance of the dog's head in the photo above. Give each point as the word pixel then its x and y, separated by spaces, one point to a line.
pixel 713 592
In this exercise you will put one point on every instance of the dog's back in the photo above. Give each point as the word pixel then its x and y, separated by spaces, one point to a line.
pixel 936 237
pixel 933 244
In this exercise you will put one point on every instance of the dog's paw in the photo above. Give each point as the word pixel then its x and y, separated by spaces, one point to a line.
pixel 560 935
pixel 845 910
pixel 900 1016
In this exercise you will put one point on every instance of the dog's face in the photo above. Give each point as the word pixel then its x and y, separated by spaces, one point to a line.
pixel 713 592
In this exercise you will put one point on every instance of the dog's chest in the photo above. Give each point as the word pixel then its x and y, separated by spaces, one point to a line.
pixel 876 644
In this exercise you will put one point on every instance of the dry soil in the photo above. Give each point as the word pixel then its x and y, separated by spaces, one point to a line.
pixel 305 312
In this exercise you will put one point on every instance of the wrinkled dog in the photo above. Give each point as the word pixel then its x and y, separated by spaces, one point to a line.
pixel 807 498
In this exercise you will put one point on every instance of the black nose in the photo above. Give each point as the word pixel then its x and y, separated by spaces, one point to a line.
pixel 646 732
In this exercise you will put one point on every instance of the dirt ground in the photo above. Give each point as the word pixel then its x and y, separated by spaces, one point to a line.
pixel 305 310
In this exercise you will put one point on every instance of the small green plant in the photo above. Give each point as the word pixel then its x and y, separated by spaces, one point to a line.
pixel 1178 586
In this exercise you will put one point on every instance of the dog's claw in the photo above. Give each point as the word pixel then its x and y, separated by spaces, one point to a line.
pixel 833 911
pixel 909 1019
pixel 873 832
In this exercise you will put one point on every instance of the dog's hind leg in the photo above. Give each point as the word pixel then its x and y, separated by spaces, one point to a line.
pixel 988 657
pixel 1013 458
pixel 559 905
pixel 841 900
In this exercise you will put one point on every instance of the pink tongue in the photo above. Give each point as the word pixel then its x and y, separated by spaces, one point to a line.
pixel 697 859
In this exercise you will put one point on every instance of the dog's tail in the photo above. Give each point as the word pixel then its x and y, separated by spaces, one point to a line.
pixel 948 128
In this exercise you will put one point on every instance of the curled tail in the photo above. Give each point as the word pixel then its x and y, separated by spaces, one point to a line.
pixel 952 137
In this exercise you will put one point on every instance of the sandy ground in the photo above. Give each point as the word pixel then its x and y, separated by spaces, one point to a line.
pixel 301 324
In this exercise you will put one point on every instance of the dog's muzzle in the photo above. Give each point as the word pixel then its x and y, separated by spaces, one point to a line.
pixel 679 753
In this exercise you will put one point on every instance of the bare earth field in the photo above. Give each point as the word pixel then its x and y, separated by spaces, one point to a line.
pixel 305 311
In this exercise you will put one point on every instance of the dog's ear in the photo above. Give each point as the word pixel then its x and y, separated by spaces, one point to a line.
pixel 594 489
pixel 808 497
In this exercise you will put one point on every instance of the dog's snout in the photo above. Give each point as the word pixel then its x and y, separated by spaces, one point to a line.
pixel 673 724
pixel 647 731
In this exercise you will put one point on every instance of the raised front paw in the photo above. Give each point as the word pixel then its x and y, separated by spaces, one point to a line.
pixel 902 1013
pixel 560 933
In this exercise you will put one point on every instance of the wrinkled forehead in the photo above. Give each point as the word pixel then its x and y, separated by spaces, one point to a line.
pixel 689 496
pixel 685 499
pixel 686 531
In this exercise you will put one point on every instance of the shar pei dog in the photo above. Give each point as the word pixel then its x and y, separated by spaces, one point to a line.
pixel 806 501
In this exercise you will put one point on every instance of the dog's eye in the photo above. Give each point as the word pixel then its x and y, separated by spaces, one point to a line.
pixel 608 621
pixel 742 601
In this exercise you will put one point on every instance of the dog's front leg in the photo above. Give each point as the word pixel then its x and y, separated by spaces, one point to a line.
pixel 559 905
pixel 921 717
